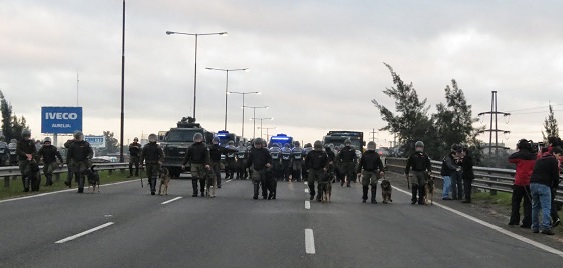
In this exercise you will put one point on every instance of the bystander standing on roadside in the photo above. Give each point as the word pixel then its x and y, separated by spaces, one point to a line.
pixel 467 174
pixel 524 159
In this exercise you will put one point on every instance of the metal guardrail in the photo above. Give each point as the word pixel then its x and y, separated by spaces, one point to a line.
pixel 13 172
pixel 490 179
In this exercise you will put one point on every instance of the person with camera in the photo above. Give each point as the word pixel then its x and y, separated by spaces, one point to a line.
pixel 544 175
pixel 524 159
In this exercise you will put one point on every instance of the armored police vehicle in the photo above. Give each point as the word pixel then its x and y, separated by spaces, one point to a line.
pixel 175 143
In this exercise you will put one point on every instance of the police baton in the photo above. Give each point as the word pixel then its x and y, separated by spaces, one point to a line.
pixel 142 170
pixel 408 182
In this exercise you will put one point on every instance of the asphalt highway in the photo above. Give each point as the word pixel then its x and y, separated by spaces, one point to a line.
pixel 124 226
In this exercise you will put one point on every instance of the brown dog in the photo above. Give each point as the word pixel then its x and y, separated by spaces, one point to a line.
pixel 429 191
pixel 386 191
pixel 164 180
pixel 326 187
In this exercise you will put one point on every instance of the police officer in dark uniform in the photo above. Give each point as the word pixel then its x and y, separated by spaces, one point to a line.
pixel 420 164
pixel 152 156
pixel 12 151
pixel 259 159
pixel 80 154
pixel 49 154
pixel 296 161
pixel 27 155
pixel 242 154
pixel 198 157
pixel 286 161
pixel 70 173
pixel 4 152
pixel 134 151
pixel 347 157
pixel 230 162
pixel 308 148
pixel 277 169
pixel 371 169
pixel 215 152
pixel 316 163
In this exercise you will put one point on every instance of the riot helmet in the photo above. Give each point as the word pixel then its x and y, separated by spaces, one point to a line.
pixel 419 146
pixel 198 137
pixel 135 139
pixel 47 139
pixel 78 135
pixel 152 137
pixel 258 141
pixel 26 134
pixel 371 146
pixel 318 145
pixel 296 144
pixel 216 140
pixel 347 142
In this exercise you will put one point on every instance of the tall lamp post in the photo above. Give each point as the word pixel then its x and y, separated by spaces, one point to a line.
pixel 195 57
pixel 261 120
pixel 254 115
pixel 267 131
pixel 243 94
pixel 121 159
pixel 227 86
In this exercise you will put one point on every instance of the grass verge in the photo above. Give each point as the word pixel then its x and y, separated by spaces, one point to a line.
pixel 16 187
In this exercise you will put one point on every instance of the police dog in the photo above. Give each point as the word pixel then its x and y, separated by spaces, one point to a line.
pixel 270 183
pixel 429 191
pixel 386 191
pixel 326 187
pixel 93 180
pixel 164 180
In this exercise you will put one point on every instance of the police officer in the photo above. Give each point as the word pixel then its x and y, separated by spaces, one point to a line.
pixel 347 157
pixel 198 157
pixel 457 183
pixel 372 167
pixel 242 153
pixel 259 159
pixel 215 152
pixel 27 154
pixel 419 162
pixel 308 148
pixel 70 173
pixel 4 152
pixel 12 151
pixel 152 156
pixel 230 162
pixel 49 154
pixel 316 163
pixel 277 168
pixel 286 161
pixel 296 161
pixel 79 154
pixel 134 151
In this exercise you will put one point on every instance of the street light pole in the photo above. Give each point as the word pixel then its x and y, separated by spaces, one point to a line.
pixel 254 116
pixel 243 95
pixel 121 159
pixel 226 86
pixel 261 120
pixel 267 131
pixel 195 58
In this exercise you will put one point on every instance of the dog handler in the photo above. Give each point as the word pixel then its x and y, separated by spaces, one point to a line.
pixel 79 154
pixel 316 163
pixel 419 162
pixel 153 156
pixel 372 167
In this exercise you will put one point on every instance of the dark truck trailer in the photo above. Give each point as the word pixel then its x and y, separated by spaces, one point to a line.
pixel 175 143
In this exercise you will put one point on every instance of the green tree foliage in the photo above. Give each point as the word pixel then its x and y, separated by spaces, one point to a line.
pixel 112 144
pixel 550 125
pixel 410 122
pixel 453 120
pixel 12 126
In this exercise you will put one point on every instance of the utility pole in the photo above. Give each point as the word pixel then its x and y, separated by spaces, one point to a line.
pixel 373 134
pixel 494 116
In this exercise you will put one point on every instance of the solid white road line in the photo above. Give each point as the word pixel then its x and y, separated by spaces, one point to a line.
pixel 305 183
pixel 171 200
pixel 61 191
pixel 496 228
pixel 84 233
pixel 307 204
pixel 309 241
pixel 306 190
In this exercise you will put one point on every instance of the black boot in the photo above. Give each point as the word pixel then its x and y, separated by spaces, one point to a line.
pixel 152 183
pixel 373 193
pixel 194 187
pixel 256 188
pixel 312 191
pixel 364 193
pixel 421 193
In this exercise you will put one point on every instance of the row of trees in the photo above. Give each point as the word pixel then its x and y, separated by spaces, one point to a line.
pixel 411 121
pixel 12 126
pixel 452 123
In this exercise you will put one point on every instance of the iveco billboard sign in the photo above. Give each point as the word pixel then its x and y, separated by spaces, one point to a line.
pixel 61 120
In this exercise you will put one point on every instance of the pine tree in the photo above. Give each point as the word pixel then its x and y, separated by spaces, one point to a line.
pixel 550 125
pixel 6 117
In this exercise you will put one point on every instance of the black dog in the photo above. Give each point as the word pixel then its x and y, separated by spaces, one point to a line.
pixel 386 191
pixel 93 179
pixel 269 184
pixel 34 176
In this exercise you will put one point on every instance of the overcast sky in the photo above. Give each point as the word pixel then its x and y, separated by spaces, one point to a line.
pixel 318 64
